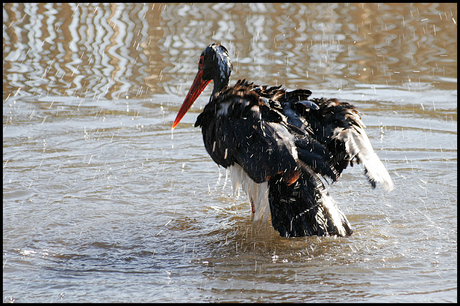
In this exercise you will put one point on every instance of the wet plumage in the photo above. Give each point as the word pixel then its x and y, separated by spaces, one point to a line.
pixel 278 144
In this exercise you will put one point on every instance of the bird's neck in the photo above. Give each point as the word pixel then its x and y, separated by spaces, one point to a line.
pixel 223 69
pixel 219 84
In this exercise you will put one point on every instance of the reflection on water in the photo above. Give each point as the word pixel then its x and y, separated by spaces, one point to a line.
pixel 101 203
pixel 131 50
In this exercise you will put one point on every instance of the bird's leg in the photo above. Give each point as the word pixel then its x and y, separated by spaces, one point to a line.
pixel 253 209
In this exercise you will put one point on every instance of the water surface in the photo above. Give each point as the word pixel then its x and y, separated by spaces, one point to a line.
pixel 103 203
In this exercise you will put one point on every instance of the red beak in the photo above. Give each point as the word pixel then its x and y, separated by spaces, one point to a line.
pixel 197 88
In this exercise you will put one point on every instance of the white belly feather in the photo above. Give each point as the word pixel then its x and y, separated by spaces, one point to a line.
pixel 257 193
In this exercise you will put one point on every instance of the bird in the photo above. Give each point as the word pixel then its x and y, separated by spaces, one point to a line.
pixel 282 147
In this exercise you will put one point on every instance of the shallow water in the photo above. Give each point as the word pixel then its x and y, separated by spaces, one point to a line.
pixel 103 203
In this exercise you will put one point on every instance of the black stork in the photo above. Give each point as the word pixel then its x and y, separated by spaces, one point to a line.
pixel 280 145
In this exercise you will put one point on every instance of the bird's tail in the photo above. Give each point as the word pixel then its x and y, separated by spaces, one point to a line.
pixel 304 208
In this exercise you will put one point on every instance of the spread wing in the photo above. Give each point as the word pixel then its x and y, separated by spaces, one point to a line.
pixel 246 127
pixel 338 126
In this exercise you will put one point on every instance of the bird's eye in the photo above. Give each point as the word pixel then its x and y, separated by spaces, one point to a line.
pixel 201 62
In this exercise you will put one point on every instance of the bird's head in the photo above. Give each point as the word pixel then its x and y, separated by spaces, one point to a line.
pixel 214 64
